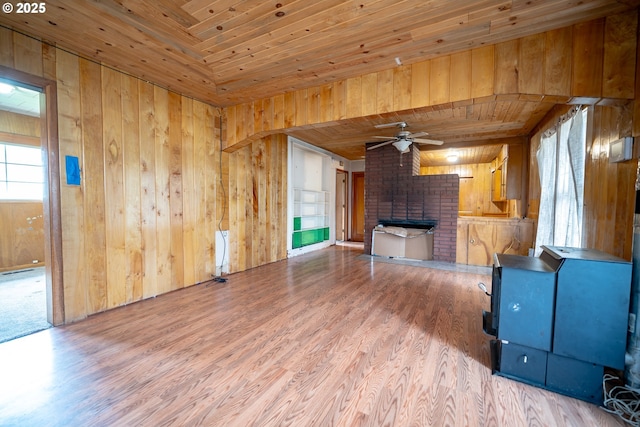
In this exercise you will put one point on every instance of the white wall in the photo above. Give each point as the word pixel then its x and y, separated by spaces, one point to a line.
pixel 314 169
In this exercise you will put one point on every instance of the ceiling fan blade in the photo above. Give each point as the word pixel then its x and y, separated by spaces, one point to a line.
pixel 384 137
pixel 390 125
pixel 381 144
pixel 417 134
pixel 428 141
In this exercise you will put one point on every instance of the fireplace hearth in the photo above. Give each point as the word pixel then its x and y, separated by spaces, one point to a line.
pixel 398 195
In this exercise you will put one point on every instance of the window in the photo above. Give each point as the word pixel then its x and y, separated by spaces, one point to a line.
pixel 21 172
pixel 561 162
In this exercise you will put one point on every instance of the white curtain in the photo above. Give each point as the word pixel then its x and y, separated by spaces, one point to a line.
pixel 561 159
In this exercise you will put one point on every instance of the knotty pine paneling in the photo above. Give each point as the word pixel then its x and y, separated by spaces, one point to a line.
pixel 460 76
pixel 6 47
pixel 588 50
pixel 188 191
pixel 530 67
pixel 475 189
pixel 154 183
pixel 506 67
pixel 482 69
pixel 27 55
pixel 420 76
pixel 609 187
pixel 258 203
pixel 619 56
pixel 114 153
pixel 94 262
pixel 575 62
pixel 175 191
pixel 557 64
pixel 148 189
pixel 439 82
pixel 21 235
pixel 133 209
pixel 488 236
pixel 14 125
pixel 72 203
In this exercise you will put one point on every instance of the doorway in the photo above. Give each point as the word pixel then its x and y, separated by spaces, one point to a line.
pixel 23 308
pixel 357 218
pixel 31 264
pixel 341 205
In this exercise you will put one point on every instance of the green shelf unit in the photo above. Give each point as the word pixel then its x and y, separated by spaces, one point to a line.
pixel 297 240
pixel 310 217
pixel 310 237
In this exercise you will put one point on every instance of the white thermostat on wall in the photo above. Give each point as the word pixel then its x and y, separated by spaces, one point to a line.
pixel 620 149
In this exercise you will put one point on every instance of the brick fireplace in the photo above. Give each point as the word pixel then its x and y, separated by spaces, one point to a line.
pixel 395 190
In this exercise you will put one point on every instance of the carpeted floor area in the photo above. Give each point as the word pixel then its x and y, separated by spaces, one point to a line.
pixel 23 309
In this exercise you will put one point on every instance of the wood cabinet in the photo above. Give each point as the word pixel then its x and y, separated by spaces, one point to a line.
pixel 498 184
pixel 479 238
pixel 506 174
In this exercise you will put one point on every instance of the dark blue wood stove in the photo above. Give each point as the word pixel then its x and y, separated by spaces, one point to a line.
pixel 560 319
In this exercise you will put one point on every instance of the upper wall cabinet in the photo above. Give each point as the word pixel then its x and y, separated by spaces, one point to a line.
pixel 506 174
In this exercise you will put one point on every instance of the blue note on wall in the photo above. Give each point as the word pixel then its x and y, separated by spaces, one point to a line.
pixel 73 170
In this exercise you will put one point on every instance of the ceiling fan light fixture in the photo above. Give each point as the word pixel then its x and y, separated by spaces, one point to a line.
pixel 452 157
pixel 402 145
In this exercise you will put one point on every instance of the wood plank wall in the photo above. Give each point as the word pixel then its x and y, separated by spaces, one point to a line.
pixel 258 203
pixel 21 235
pixel 19 128
pixel 582 63
pixel 155 185
pixel 475 188
pixel 609 187
pixel 128 231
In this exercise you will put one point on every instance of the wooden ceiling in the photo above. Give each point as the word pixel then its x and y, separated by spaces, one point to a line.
pixel 226 52
pixel 462 127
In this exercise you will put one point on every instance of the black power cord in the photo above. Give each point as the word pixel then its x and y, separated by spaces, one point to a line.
pixel 220 279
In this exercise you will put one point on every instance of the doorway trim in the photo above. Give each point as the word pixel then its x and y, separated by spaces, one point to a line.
pixel 342 206
pixel 357 207
pixel 51 199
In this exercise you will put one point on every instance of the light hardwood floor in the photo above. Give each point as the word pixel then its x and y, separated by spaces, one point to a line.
pixel 322 339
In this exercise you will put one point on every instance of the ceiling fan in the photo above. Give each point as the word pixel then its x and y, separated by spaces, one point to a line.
pixel 404 138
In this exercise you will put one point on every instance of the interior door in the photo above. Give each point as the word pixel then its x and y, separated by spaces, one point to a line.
pixel 357 217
